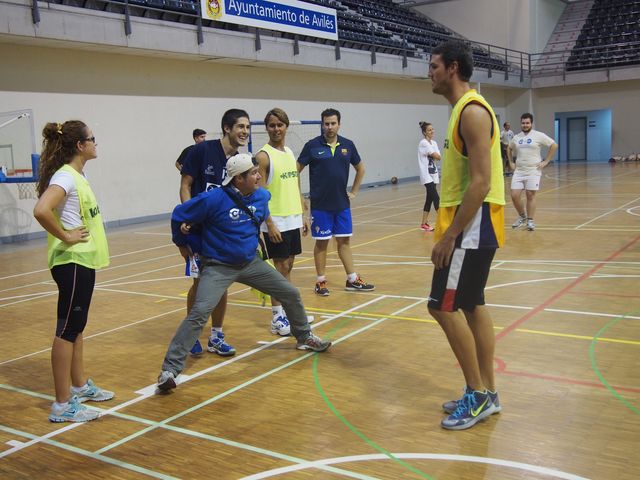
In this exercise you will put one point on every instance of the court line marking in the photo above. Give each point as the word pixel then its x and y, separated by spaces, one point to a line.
pixel 87 453
pixel 346 422
pixel 418 456
pixel 607 213
pixel 104 269
pixel 594 366
pixel 237 387
pixel 255 304
pixel 104 332
pixel 564 290
pixel 182 430
pixel 555 378
pixel 202 404
pixel 50 281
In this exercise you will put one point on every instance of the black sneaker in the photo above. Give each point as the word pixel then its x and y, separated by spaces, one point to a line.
pixel 321 289
pixel 313 343
pixel 359 285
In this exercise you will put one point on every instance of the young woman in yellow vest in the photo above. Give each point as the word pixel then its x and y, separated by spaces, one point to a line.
pixel 77 247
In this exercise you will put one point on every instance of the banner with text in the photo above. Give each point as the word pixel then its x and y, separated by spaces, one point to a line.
pixel 283 15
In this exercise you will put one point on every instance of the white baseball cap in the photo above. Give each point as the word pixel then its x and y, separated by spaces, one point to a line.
pixel 240 163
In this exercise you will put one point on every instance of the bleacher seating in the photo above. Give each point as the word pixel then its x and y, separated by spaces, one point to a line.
pixel 381 26
pixel 609 38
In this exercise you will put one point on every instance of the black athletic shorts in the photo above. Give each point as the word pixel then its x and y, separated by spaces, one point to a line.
pixel 290 245
pixel 75 288
pixel 461 284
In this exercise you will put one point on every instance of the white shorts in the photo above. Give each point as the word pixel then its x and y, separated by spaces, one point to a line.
pixel 525 182
pixel 193 266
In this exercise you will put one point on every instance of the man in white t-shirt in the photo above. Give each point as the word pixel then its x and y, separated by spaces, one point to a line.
pixel 526 146
pixel 506 135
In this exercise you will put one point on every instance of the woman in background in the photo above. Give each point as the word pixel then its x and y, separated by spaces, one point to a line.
pixel 77 246
pixel 428 153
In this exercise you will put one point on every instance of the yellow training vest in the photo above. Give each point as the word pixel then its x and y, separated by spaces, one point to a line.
pixel 93 253
pixel 455 169
pixel 285 193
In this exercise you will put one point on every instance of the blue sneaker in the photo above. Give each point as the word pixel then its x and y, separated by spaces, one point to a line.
pixel 280 325
pixel 196 349
pixel 451 406
pixel 472 408
pixel 217 345
pixel 74 411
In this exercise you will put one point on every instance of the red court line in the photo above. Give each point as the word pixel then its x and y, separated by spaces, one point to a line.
pixel 569 380
pixel 562 292
pixel 501 368
pixel 588 294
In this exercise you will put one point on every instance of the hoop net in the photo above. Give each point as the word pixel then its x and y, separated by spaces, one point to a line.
pixel 26 190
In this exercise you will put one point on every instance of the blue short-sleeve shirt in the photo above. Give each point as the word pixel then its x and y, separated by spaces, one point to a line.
pixel 206 163
pixel 329 172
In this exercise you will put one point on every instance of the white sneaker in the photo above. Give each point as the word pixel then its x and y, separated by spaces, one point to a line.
pixel 530 225
pixel 519 222
pixel 166 381
pixel 74 411
pixel 280 325
pixel 91 392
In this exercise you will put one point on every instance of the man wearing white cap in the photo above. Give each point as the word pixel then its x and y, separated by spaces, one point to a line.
pixel 230 217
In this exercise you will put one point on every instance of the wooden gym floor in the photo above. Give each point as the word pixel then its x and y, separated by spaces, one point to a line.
pixel 564 299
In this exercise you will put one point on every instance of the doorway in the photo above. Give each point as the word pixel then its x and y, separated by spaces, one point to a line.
pixel 577 139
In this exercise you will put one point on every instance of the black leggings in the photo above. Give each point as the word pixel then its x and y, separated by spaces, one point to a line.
pixel 75 287
pixel 432 197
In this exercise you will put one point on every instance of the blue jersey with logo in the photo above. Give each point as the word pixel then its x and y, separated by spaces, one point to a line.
pixel 206 163
pixel 329 172
pixel 228 233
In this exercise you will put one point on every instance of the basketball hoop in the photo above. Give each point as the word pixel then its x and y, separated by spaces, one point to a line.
pixel 26 191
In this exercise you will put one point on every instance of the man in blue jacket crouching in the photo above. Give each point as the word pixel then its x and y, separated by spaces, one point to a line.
pixel 230 217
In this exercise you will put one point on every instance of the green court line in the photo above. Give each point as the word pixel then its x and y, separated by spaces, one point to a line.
pixel 592 357
pixel 349 425
pixel 219 396
pixel 86 453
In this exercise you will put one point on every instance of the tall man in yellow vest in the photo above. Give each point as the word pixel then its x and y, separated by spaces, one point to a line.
pixel 469 229
pixel 281 230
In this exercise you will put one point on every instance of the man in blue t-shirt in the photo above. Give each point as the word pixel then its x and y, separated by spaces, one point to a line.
pixel 230 218
pixel 329 157
pixel 202 170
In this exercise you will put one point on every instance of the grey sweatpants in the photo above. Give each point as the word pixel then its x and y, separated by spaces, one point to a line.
pixel 215 278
